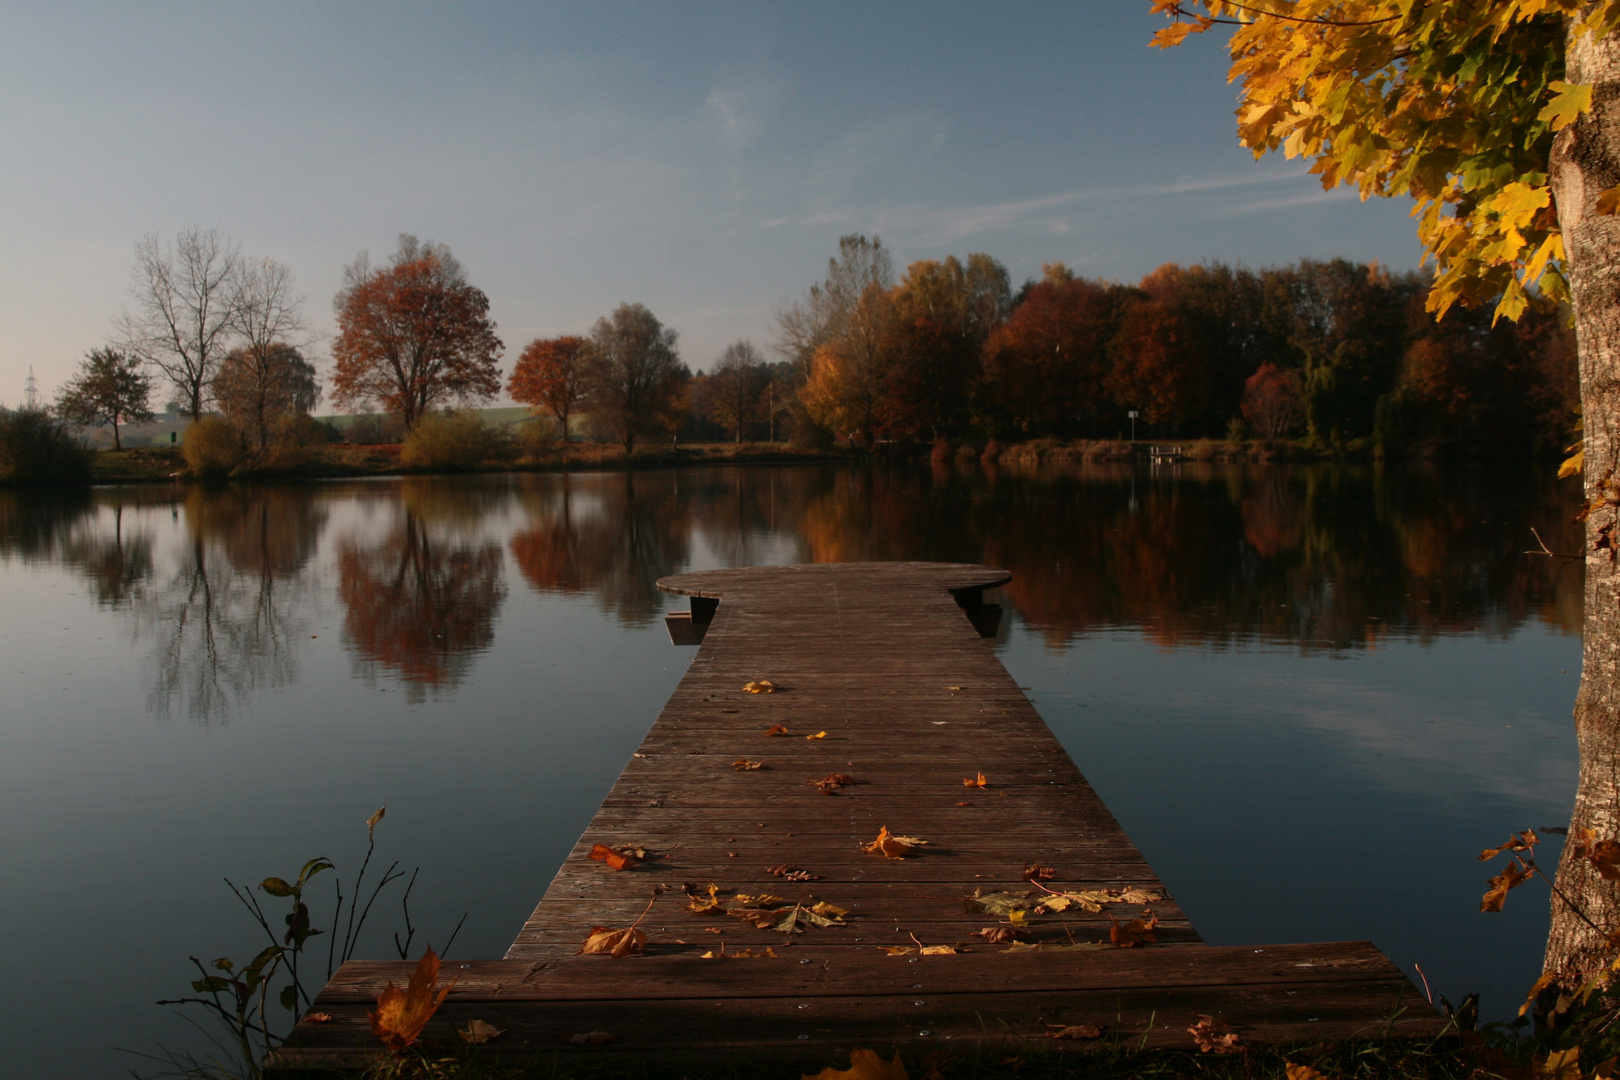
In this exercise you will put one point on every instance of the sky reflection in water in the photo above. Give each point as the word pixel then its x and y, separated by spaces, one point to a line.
pixel 1310 695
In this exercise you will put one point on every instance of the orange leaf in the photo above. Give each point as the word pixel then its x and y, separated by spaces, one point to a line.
pixel 1302 1072
pixel 1136 932
pixel 615 943
pixel 744 765
pixel 864 1065
pixel 776 729
pixel 1037 872
pixel 763 686
pixel 980 782
pixel 1076 1031
pixel 817 735
pixel 402 1014
pixel 1514 875
pixel 830 783
pixel 618 860
pixel 318 1017
pixel 1214 1036
pixel 891 846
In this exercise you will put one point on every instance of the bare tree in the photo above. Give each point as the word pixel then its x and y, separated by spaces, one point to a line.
pixel 183 318
pixel 735 386
pixel 635 378
pixel 266 376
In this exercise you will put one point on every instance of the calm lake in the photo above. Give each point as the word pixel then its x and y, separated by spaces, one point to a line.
pixel 1310 694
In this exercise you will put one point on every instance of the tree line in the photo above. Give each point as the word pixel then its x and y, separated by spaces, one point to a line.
pixel 1339 355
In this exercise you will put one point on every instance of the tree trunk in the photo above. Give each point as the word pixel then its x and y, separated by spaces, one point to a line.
pixel 1585 162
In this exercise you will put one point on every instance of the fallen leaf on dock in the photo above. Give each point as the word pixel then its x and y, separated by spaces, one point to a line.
pixel 763 900
pixel 402 1014
pixel 318 1017
pixel 817 735
pixel 591 1038
pixel 740 954
pixel 790 872
pixel 1136 932
pixel 863 1065
pixel 1004 904
pixel 830 783
pixel 795 919
pixel 923 950
pixel 477 1031
pixel 1052 946
pixel 701 905
pixel 1214 1036
pixel 1075 1031
pixel 620 857
pixel 1037 872
pixel 776 729
pixel 891 846
pixel 615 943
pixel 1302 1072
pixel 995 935
pixel 744 765
pixel 978 782
pixel 763 686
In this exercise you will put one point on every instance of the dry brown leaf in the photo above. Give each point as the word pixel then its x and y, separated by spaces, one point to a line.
pixel 1302 1072
pixel 763 686
pixel 1511 877
pixel 591 1038
pixel 705 905
pixel 616 858
pixel 318 1017
pixel 744 765
pixel 402 1014
pixel 740 954
pixel 760 900
pixel 1523 841
pixel 790 872
pixel 817 735
pixel 1037 872
pixel 776 729
pixel 1560 1064
pixel 863 1065
pixel 1136 932
pixel 1075 1031
pixel 477 1031
pixel 1213 1036
pixel 920 950
pixel 615 943
pixel 830 783
pixel 891 846
pixel 1604 855
pixel 995 935
pixel 1139 896
pixel 978 782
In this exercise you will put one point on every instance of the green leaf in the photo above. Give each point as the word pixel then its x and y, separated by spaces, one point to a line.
pixel 313 867
pixel 276 887
pixel 289 997
pixel 224 964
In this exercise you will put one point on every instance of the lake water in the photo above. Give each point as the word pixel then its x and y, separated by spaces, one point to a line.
pixel 1311 695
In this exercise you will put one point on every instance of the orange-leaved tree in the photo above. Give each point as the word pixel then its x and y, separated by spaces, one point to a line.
pixel 550 375
pixel 413 335
pixel 1502 121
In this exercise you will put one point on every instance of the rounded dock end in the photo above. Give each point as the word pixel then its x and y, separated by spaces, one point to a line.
pixel 947 577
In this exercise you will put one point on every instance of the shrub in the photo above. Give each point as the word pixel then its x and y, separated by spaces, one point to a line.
pixel 213 448
pixel 37 449
pixel 454 441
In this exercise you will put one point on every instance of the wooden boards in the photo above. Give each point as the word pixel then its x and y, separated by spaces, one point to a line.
pixel 883 702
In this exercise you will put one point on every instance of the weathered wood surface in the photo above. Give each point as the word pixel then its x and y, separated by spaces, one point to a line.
pixel 879 663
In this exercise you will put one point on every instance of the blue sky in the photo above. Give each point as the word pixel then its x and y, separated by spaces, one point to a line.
pixel 702 159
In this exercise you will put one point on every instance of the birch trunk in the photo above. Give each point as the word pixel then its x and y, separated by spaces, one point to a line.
pixel 1585 162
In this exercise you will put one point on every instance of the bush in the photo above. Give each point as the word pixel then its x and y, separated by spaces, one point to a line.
pixel 373 431
pixel 213 447
pixel 454 441
pixel 37 449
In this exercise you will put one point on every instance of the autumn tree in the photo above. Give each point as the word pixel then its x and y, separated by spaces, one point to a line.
pixel 110 387
pixel 1502 121
pixel 184 316
pixel 1272 401
pixel 413 335
pixel 258 385
pixel 1045 366
pixel 736 386
pixel 633 375
pixel 550 375
pixel 1157 368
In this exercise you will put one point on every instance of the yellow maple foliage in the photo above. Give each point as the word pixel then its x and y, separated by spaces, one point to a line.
pixel 615 943
pixel 401 1015
pixel 864 1065
pixel 977 782
pixel 761 686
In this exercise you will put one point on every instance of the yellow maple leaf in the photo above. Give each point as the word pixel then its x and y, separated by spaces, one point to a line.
pixel 891 846
pixel 761 686
pixel 1569 101
pixel 863 1065
pixel 615 943
pixel 817 735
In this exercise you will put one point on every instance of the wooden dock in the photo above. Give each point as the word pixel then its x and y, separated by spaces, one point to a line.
pixel 879 677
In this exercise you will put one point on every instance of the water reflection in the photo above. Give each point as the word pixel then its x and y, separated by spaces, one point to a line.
pixel 610 536
pixel 232 616
pixel 224 583
pixel 422 601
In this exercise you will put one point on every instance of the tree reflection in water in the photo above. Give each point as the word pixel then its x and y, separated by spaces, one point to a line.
pixel 612 536
pixel 423 601
pixel 234 615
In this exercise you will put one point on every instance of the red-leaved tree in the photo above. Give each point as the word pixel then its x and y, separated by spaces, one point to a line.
pixel 550 376
pixel 413 335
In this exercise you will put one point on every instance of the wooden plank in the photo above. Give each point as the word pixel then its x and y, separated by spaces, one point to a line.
pixel 882 661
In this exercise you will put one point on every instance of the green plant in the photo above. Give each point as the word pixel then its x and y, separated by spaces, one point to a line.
pixel 213 448
pixel 454 441
pixel 35 448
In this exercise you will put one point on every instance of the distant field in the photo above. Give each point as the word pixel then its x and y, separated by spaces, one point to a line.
pixel 506 414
